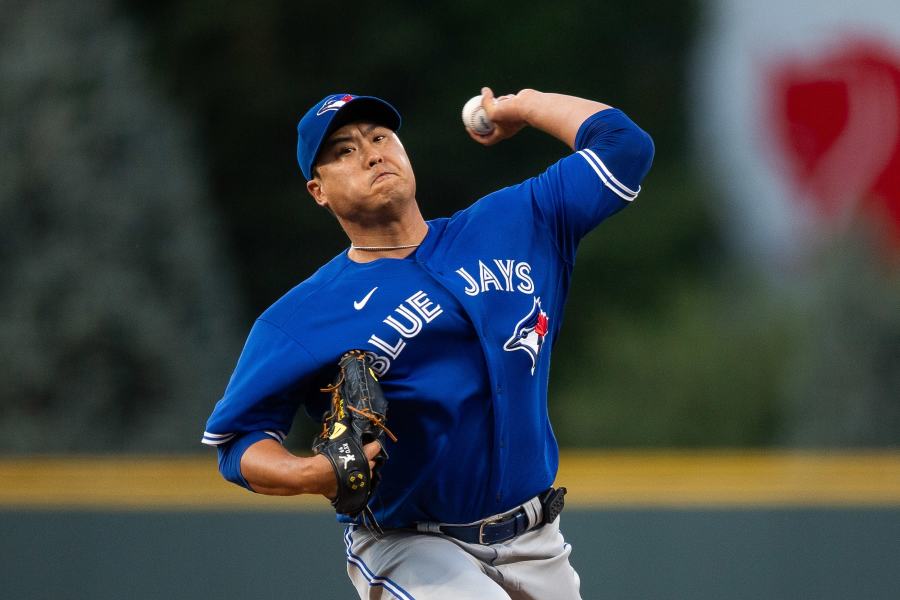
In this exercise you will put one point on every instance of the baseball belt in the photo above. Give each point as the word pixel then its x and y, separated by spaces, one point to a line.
pixel 537 512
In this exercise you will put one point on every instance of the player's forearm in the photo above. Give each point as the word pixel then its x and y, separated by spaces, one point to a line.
pixel 557 114
pixel 270 469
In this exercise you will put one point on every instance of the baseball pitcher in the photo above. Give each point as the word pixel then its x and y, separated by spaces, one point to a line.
pixel 424 349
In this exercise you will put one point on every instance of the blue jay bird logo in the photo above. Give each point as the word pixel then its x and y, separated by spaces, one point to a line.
pixel 529 333
pixel 334 103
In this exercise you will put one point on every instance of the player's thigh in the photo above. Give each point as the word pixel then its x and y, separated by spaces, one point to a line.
pixel 536 566
pixel 409 565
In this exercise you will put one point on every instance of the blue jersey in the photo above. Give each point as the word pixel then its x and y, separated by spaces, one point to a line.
pixel 461 331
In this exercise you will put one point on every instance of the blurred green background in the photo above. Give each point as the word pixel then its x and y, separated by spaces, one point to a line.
pixel 151 207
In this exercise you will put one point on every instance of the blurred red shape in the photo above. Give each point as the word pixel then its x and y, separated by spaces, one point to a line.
pixel 837 123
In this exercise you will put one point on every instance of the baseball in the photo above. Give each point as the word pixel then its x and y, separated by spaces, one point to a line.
pixel 475 118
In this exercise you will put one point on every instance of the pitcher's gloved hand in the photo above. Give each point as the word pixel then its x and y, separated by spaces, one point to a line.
pixel 358 416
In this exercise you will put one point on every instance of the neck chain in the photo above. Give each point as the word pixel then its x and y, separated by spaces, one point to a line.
pixel 378 248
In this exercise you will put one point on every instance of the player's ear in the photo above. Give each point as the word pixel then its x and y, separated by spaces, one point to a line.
pixel 314 187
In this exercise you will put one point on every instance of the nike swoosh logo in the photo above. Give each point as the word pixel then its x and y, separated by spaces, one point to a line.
pixel 361 303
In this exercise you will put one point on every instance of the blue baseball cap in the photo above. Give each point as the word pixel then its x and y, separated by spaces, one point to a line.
pixel 332 112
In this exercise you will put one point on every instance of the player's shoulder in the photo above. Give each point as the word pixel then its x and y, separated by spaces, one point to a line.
pixel 498 200
pixel 305 295
pixel 506 205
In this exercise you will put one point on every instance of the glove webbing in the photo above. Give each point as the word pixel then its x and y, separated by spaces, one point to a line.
pixel 366 413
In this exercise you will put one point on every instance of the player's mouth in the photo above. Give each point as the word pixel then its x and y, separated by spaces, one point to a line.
pixel 382 176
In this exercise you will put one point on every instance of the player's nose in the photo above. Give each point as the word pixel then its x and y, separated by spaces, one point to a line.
pixel 375 158
pixel 372 155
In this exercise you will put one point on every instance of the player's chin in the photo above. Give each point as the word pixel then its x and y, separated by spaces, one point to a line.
pixel 379 203
pixel 392 188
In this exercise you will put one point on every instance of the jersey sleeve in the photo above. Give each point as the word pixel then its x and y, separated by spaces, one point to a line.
pixel 603 176
pixel 265 389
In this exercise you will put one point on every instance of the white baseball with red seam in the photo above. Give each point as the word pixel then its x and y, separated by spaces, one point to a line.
pixel 475 118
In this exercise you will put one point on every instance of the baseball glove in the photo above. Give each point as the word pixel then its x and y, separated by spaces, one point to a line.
pixel 357 417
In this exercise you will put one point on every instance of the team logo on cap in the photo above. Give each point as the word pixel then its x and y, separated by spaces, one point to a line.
pixel 334 103
pixel 528 334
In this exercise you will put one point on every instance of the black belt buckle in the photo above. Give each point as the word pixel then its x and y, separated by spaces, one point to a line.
pixel 552 503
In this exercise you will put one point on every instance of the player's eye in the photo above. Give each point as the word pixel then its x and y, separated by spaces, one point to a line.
pixel 380 137
pixel 344 150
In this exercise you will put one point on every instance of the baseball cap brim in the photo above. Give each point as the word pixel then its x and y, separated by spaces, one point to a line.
pixel 320 122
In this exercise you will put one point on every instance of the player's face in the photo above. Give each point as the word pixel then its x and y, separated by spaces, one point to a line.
pixel 363 174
